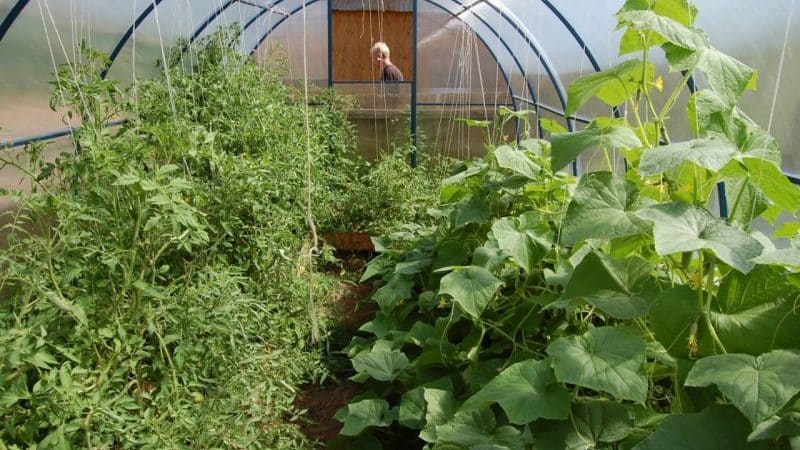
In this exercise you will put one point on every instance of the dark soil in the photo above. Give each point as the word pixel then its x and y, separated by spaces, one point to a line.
pixel 322 402
pixel 350 310
pixel 350 242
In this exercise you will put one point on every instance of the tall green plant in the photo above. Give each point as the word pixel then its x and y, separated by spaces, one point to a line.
pixel 151 291
pixel 613 311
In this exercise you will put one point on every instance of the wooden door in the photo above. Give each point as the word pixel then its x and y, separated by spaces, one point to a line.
pixel 354 33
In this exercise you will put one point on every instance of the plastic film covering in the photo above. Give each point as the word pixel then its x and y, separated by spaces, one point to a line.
pixel 276 35
pixel 521 53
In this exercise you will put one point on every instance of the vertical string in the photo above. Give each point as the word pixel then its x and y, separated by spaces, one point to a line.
pixel 315 335
pixel 780 65
pixel 164 60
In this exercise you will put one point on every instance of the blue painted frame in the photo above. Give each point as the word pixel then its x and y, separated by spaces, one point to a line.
pixel 211 18
pixel 11 17
pixel 20 5
pixel 330 67
pixel 413 86
pixel 443 8
pixel 125 37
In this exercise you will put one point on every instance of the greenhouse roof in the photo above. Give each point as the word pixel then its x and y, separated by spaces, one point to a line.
pixel 529 50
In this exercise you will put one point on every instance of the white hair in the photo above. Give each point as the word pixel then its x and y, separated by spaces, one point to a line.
pixel 380 48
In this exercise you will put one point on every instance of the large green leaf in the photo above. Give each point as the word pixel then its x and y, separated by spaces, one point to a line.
pixel 380 364
pixel 756 313
pixel 717 427
pixel 603 208
pixel 785 257
pixel 413 406
pixel 526 391
pixel 611 284
pixel 592 423
pixel 477 428
pixel 604 359
pixel 363 414
pixel 672 316
pixel 613 86
pixel 667 28
pixel 489 256
pixel 516 161
pixel 769 178
pixel 711 154
pixel 526 238
pixel 568 146
pixel 440 405
pixel 678 227
pixel 751 313
pixel 726 75
pixel 759 386
pixel 389 296
pixel 473 210
pixel 682 11
pixel 679 10
pixel 748 201
pixel 471 288
pixel 788 425
pixel 709 115
pixel 688 48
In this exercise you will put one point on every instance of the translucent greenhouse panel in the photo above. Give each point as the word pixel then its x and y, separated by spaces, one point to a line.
pixel 758 42
pixel 281 36
pixel 44 35
pixel 456 67
pixel 152 40
pixel 444 132
pixel 14 180
pixel 381 113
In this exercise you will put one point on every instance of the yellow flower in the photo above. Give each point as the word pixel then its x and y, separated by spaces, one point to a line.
pixel 659 84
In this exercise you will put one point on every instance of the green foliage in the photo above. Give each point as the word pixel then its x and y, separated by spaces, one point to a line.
pixel 153 294
pixel 387 193
pixel 613 311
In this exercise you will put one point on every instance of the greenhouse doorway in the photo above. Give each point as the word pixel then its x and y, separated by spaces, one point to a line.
pixel 384 116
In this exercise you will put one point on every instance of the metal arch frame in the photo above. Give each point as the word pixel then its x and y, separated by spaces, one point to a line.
pixel 145 14
pixel 11 17
pixel 311 2
pixel 575 35
pixel 210 19
pixel 528 39
pixel 534 46
pixel 128 33
pixel 480 18
pixel 414 105
pixel 20 5
pixel 525 35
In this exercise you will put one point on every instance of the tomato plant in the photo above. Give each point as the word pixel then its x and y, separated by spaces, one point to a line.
pixel 151 296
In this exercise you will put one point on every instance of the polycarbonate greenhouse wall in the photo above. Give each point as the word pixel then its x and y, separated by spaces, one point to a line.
pixel 520 53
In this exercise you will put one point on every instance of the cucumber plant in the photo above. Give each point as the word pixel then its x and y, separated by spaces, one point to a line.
pixel 615 310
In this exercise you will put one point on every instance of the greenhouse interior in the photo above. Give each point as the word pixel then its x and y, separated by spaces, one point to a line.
pixel 399 224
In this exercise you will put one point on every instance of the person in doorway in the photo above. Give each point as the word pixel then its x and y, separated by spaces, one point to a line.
pixel 389 72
